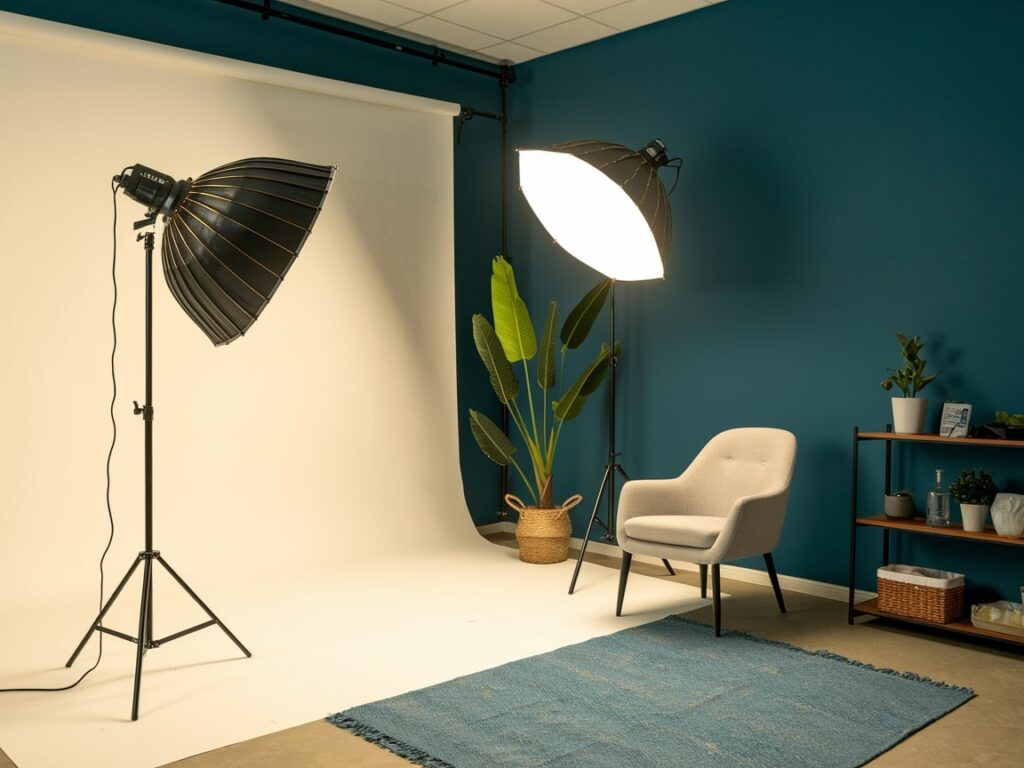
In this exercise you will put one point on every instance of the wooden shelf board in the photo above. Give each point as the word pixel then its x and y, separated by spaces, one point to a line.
pixel 903 437
pixel 961 626
pixel 954 530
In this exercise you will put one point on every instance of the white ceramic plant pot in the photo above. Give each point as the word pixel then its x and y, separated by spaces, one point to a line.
pixel 974 516
pixel 908 414
pixel 1008 514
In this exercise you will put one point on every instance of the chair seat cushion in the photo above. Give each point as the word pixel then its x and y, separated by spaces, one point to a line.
pixel 698 531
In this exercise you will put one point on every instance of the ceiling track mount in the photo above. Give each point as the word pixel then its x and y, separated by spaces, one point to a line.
pixel 503 73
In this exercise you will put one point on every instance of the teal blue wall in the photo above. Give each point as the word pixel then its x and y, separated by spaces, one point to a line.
pixel 214 28
pixel 851 169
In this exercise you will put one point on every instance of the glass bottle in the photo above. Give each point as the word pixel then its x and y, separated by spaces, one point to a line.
pixel 938 503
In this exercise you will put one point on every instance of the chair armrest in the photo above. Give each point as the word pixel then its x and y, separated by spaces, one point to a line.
pixel 752 527
pixel 648 497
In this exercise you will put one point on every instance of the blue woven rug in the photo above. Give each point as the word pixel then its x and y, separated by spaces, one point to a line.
pixel 663 695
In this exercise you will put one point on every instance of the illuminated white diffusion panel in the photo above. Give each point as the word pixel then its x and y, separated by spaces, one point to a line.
pixel 603 203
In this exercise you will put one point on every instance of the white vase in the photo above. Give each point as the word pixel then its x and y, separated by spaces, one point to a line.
pixel 974 516
pixel 1008 514
pixel 908 414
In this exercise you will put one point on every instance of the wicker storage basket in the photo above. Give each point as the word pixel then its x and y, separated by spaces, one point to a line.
pixel 543 534
pixel 921 593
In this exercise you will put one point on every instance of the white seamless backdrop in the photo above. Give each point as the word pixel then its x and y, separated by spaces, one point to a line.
pixel 282 448
pixel 306 477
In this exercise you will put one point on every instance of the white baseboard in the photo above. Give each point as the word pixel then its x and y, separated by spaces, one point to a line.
pixel 739 573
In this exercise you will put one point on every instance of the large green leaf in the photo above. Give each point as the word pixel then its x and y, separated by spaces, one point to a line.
pixel 504 381
pixel 593 382
pixel 590 386
pixel 578 323
pixel 511 318
pixel 546 358
pixel 492 441
pixel 572 403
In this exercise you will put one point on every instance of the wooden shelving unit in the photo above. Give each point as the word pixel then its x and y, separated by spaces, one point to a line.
pixel 960 626
pixel 917 526
pixel 905 438
pixel 954 531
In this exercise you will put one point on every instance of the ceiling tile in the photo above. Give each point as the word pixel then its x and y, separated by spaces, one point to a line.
pixel 446 34
pixel 583 7
pixel 378 12
pixel 511 52
pixel 637 13
pixel 505 19
pixel 566 35
pixel 426 6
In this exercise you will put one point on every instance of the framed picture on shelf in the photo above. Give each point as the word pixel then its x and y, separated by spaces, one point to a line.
pixel 956 419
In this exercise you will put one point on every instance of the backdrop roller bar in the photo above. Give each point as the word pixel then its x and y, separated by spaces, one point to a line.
pixel 434 55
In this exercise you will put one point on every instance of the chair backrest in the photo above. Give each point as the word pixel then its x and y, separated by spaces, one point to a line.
pixel 737 463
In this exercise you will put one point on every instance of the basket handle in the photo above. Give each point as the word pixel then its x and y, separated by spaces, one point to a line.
pixel 571 502
pixel 515 502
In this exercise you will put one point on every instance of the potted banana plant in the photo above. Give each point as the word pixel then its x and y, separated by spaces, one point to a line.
pixel 909 411
pixel 538 406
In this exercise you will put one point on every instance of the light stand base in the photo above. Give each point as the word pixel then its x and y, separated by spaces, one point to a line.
pixel 606 485
pixel 144 640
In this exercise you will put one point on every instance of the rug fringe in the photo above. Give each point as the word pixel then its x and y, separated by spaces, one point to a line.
pixel 400 748
pixel 834 657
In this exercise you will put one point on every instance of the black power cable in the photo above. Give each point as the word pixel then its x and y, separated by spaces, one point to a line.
pixel 677 164
pixel 110 454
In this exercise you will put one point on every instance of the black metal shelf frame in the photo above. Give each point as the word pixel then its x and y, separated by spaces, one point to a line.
pixel 889 437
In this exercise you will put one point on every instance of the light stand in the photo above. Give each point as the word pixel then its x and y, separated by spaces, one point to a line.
pixel 612 467
pixel 144 639
pixel 229 238
pixel 605 204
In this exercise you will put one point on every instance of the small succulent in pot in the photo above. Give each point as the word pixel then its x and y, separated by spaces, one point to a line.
pixel 973 486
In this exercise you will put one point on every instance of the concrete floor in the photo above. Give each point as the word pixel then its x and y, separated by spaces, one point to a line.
pixel 987 731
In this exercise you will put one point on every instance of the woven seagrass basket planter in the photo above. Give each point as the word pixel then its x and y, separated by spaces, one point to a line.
pixel 921 593
pixel 543 534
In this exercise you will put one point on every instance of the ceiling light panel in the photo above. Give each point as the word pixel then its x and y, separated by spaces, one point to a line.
pixel 567 35
pixel 638 13
pixel 377 12
pixel 505 19
pixel 427 6
pixel 508 51
pixel 434 28
pixel 584 7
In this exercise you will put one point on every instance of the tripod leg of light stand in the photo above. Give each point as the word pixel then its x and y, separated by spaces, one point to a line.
pixel 211 614
pixel 103 612
pixel 590 527
pixel 140 642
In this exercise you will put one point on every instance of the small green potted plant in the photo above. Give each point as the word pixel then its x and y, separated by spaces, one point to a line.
pixel 975 490
pixel 544 528
pixel 909 411
pixel 1013 424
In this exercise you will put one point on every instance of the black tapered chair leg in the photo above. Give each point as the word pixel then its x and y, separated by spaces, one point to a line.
pixel 770 564
pixel 703 581
pixel 716 598
pixel 623 575
pixel 668 566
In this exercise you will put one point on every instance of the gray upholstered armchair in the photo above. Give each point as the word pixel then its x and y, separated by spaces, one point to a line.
pixel 728 504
